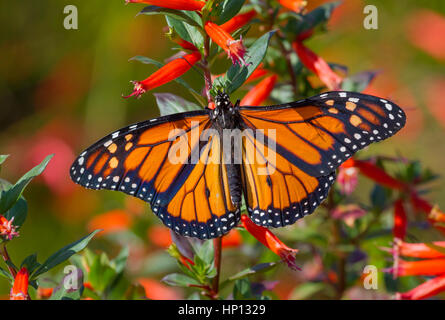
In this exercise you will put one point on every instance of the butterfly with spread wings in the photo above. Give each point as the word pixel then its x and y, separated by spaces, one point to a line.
pixel 283 174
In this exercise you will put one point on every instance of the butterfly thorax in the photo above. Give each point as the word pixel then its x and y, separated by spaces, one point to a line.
pixel 224 114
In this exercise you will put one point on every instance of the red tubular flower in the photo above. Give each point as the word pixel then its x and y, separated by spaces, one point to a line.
pixel 347 179
pixel 190 5
pixel 7 230
pixel 294 5
pixel 400 221
pixel 111 222
pixel 266 237
pixel 167 73
pixel 425 290
pixel 434 214
pixel 231 240
pixel 419 250
pixel 260 92
pixel 238 21
pixel 234 48
pixel 185 44
pixel 375 173
pixel 430 267
pixel 19 290
pixel 317 65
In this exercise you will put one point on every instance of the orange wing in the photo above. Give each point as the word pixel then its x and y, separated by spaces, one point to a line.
pixel 159 161
pixel 319 133
pixel 289 168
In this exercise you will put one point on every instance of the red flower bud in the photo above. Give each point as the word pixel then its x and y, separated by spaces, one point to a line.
pixel 425 290
pixel 419 250
pixel 260 92
pixel 294 5
pixel 167 73
pixel 234 48
pixel 400 221
pixel 375 173
pixel 430 267
pixel 19 290
pixel 266 237
pixel 317 65
pixel 238 21
pixel 190 5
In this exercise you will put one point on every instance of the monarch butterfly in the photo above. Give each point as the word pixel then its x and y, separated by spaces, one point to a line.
pixel 308 140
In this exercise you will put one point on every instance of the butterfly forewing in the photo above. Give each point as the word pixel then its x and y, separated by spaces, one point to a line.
pixel 187 195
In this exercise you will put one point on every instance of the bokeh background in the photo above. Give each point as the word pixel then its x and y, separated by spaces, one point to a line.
pixel 60 90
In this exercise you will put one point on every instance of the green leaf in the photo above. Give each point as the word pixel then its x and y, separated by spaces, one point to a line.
pixel 378 196
pixel 10 196
pixel 179 280
pixel 19 211
pixel 300 23
pixel 227 9
pixel 3 157
pixel 169 103
pixel 64 254
pixel 30 263
pixel 175 14
pixel 237 75
pixel 70 288
pixel 6 274
pixel 187 32
pixel 121 260
pixel 242 290
pixel 262 267
pixel 205 251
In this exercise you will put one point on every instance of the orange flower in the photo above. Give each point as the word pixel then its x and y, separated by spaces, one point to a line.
pixel 19 290
pixel 167 73
pixel 238 21
pixel 400 221
pixel 110 222
pixel 419 250
pixel 430 267
pixel 232 239
pixel 375 173
pixel 190 5
pixel 317 65
pixel 234 48
pixel 425 290
pixel 44 293
pixel 7 230
pixel 424 29
pixel 160 236
pixel 294 5
pixel 271 241
pixel 158 291
pixel 258 94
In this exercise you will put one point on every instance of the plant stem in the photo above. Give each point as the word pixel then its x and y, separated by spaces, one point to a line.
pixel 217 247
pixel 207 75
pixel 6 258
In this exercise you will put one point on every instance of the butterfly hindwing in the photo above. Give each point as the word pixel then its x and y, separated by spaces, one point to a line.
pixel 277 192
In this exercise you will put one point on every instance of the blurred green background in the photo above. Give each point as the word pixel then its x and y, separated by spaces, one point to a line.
pixel 60 90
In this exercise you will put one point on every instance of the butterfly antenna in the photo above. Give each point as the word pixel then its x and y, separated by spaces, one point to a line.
pixel 194 68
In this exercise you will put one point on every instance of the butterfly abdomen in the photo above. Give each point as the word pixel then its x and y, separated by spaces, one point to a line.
pixel 234 182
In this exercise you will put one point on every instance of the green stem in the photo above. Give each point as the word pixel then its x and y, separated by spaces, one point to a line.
pixel 6 258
